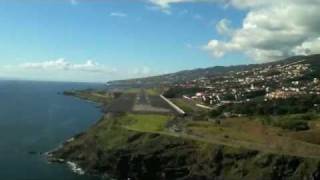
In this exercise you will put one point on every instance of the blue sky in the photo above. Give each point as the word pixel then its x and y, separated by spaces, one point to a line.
pixel 100 40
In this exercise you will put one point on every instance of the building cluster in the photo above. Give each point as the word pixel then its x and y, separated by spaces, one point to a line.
pixel 266 82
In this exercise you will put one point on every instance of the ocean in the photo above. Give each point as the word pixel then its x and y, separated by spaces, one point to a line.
pixel 36 117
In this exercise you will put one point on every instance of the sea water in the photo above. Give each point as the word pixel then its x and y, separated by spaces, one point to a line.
pixel 36 117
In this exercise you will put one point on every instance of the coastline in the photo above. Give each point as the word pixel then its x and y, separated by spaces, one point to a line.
pixel 111 148
pixel 73 166
pixel 156 156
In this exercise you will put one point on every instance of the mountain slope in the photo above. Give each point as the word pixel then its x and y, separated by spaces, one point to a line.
pixel 188 75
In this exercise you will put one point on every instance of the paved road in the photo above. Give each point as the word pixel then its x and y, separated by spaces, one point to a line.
pixel 142 98
pixel 122 104
pixel 140 102
pixel 144 104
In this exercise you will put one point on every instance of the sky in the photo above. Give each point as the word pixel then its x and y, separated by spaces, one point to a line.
pixel 102 40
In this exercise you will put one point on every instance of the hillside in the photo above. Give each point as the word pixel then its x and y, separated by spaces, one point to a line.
pixel 118 149
pixel 187 75
pixel 250 122
pixel 135 140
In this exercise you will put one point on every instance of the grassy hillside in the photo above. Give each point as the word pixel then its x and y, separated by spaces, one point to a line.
pixel 122 147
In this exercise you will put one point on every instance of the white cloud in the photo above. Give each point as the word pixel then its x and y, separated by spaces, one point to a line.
pixel 272 30
pixel 165 4
pixel 166 11
pixel 63 65
pixel 217 48
pixel 224 27
pixel 118 14
pixel 308 47
pixel 59 70
pixel 63 70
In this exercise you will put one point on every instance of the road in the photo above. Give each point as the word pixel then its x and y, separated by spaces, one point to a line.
pixel 122 104
pixel 140 102
pixel 145 103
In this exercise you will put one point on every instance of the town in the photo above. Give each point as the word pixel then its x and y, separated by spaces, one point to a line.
pixel 262 83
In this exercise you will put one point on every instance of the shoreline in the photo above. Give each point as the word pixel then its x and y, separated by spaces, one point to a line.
pixel 73 166
pixel 116 146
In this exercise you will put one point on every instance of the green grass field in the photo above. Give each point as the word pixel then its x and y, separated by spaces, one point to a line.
pixel 253 134
pixel 247 133
pixel 114 132
pixel 132 90
pixel 184 105
pixel 153 91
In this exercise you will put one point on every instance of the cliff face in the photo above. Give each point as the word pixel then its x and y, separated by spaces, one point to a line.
pixel 108 149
